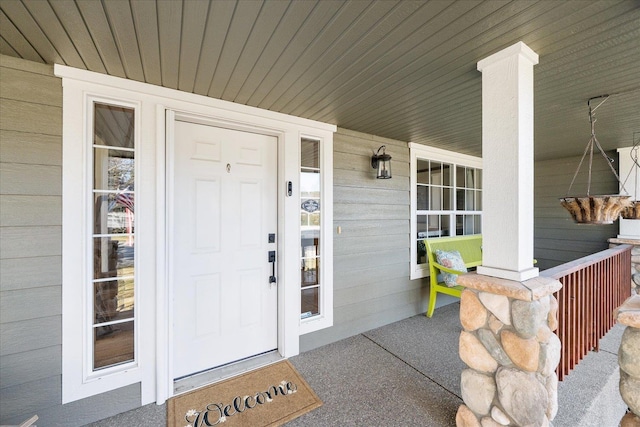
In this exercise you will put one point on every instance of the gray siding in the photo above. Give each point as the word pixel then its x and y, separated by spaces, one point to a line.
pixel 31 255
pixel 371 256
pixel 371 266
pixel 557 239
pixel 30 225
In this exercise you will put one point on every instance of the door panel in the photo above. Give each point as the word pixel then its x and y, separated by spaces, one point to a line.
pixel 249 196
pixel 250 306
pixel 225 206
pixel 207 222
pixel 207 295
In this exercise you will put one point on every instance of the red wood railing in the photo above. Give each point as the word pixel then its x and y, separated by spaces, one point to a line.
pixel 593 287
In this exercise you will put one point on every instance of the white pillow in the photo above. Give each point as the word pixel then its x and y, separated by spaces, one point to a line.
pixel 452 260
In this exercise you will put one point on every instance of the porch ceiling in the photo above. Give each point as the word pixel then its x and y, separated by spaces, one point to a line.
pixel 399 69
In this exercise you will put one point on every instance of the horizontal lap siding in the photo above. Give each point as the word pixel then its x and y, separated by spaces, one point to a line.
pixel 31 254
pixel 30 237
pixel 372 254
pixel 25 273
pixel 557 238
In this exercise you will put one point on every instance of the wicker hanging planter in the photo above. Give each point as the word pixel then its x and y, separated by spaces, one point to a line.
pixel 595 209
pixel 633 210
pixel 588 209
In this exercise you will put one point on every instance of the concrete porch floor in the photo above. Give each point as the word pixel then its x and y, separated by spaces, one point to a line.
pixel 408 374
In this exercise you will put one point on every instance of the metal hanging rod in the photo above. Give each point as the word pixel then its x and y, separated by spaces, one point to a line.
pixel 609 95
pixel 591 111
pixel 593 142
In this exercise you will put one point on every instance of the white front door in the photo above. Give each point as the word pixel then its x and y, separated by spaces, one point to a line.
pixel 224 209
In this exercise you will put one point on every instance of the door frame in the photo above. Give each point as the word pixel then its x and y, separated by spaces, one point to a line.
pixel 285 303
pixel 288 130
pixel 157 109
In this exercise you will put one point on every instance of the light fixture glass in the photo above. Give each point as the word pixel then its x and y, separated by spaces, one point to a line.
pixel 381 162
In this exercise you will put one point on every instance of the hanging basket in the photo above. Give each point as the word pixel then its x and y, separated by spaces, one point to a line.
pixel 595 209
pixel 632 211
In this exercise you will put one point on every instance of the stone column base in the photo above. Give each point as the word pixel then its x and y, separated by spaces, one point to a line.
pixel 635 260
pixel 628 314
pixel 629 420
pixel 510 351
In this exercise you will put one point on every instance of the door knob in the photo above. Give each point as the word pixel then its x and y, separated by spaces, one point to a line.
pixel 272 260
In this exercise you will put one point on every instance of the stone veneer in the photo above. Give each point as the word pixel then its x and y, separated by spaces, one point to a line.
pixel 511 351
pixel 635 260
pixel 628 314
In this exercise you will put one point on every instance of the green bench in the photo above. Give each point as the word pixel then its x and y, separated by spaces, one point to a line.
pixel 470 248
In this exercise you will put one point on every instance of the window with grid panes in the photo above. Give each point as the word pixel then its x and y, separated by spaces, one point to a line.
pixel 113 236
pixel 446 199
pixel 310 222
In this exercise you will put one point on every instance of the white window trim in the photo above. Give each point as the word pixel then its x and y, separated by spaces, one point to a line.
pixel 425 152
pixel 153 369
pixel 325 318
pixel 79 378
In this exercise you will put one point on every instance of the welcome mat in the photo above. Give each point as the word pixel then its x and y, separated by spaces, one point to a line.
pixel 269 396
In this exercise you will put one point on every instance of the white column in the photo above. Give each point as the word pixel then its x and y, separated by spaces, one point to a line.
pixel 507 154
pixel 630 174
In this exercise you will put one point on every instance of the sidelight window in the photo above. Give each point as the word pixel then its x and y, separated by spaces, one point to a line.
pixel 310 226
pixel 101 229
pixel 112 285
pixel 315 198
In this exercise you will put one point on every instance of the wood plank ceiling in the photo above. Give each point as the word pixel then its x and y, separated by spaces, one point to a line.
pixel 399 69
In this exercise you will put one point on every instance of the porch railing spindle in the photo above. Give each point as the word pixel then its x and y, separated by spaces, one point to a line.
pixel 593 287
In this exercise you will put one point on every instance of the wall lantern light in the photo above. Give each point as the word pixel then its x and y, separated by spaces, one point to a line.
pixel 381 162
